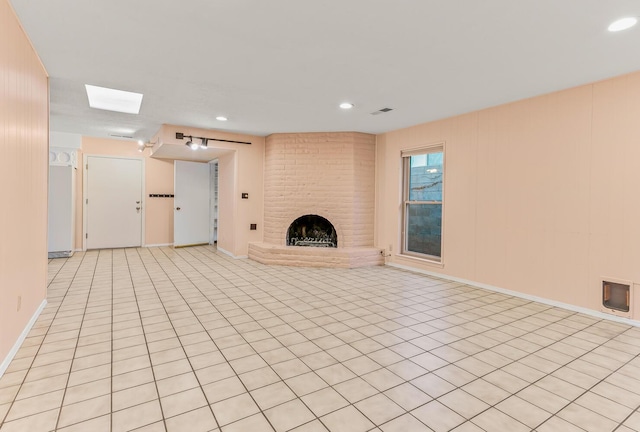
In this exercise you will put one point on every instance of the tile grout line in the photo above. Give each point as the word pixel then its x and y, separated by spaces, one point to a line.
pixel 244 289
pixel 2 423
pixel 528 354
pixel 449 363
pixel 111 343
pixel 180 341
pixel 153 373
pixel 260 355
pixel 78 339
pixel 352 404
pixel 216 345
pixel 408 381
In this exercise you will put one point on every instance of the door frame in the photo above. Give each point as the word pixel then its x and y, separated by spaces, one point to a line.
pixel 85 194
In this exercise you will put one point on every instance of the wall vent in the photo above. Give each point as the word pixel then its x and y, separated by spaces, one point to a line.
pixel 382 111
pixel 616 297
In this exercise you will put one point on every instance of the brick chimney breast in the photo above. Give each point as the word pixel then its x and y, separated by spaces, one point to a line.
pixel 326 174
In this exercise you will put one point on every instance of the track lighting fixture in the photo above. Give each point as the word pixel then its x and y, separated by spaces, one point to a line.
pixel 204 141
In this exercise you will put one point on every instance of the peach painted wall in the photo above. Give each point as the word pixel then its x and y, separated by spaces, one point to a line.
pixel 226 201
pixel 541 196
pixel 238 172
pixel 24 130
pixel 158 180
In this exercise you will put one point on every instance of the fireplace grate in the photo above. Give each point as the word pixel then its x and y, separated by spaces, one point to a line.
pixel 312 230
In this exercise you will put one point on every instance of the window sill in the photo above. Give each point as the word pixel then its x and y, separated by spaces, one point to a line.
pixel 428 261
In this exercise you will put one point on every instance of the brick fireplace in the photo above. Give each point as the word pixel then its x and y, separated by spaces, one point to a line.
pixel 329 175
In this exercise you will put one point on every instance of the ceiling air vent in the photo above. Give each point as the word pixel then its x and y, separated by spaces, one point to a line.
pixel 121 136
pixel 382 111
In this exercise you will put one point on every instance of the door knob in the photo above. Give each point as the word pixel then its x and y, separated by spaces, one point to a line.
pixel 137 202
pixel 178 208
pixel 137 208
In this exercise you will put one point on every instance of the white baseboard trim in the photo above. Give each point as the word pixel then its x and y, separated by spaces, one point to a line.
pixel 573 308
pixel 16 346
pixel 219 249
pixel 159 245
pixel 226 252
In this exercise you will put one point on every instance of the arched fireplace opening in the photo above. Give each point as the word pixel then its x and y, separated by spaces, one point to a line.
pixel 312 230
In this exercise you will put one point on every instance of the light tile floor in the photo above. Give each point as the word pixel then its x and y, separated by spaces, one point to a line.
pixel 192 340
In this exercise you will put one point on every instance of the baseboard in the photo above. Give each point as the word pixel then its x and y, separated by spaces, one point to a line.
pixel 159 245
pixel 567 306
pixel 226 252
pixel 219 249
pixel 16 346
pixel 60 254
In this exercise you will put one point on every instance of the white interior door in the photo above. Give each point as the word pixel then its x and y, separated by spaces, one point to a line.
pixel 114 202
pixel 191 203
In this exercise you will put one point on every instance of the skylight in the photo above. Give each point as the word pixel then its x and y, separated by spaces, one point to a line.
pixel 113 100
pixel 622 24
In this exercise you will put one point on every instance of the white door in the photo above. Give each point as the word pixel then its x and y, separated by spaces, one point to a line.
pixel 114 202
pixel 191 203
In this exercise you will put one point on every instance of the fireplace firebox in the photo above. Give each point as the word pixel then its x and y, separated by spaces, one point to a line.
pixel 312 230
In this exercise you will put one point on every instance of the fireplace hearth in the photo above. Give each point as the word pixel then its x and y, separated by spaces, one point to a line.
pixel 313 231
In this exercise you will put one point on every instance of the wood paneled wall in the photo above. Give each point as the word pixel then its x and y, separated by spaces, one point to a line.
pixel 24 140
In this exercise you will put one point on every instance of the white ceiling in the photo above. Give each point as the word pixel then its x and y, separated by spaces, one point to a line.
pixel 285 65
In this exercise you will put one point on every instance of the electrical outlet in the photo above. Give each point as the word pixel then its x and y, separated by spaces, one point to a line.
pixel 19 303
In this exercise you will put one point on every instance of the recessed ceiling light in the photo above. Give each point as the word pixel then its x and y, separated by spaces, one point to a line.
pixel 221 118
pixel 113 100
pixel 622 24
pixel 346 105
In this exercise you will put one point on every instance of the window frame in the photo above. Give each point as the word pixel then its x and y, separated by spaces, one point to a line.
pixel 406 202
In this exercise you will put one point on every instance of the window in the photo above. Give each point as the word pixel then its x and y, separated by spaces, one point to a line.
pixel 423 193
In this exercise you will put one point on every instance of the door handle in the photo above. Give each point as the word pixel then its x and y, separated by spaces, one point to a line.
pixel 178 208
pixel 138 208
pixel 137 202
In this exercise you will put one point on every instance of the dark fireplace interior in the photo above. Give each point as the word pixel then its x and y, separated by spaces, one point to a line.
pixel 312 230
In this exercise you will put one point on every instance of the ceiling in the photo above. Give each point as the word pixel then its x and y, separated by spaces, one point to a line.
pixel 285 65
